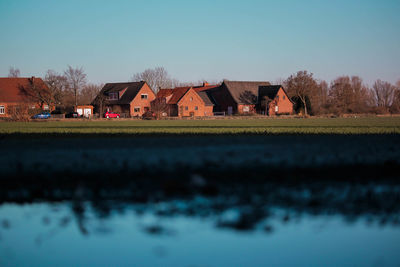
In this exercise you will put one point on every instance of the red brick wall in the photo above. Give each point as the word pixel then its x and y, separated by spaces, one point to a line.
pixel 142 103
pixel 25 105
pixel 208 110
pixel 5 110
pixel 285 106
pixel 187 104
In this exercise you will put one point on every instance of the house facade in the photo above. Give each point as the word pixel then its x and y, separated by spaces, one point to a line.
pixel 273 100
pixel 186 102
pixel 17 93
pixel 243 97
pixel 131 99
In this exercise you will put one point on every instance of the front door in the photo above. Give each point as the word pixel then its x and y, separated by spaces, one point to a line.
pixel 230 110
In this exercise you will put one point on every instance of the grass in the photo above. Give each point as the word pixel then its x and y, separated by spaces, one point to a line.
pixel 365 125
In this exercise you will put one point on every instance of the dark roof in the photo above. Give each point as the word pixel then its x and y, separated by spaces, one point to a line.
pixel 205 87
pixel 164 92
pixel 132 89
pixel 270 91
pixel 10 88
pixel 178 93
pixel 206 98
pixel 244 92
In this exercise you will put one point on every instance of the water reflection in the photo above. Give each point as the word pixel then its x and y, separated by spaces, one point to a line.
pixel 240 206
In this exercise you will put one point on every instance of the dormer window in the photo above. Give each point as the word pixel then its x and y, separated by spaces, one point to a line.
pixel 113 96
pixel 144 96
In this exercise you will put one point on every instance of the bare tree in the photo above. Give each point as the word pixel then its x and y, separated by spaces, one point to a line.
pixel 320 98
pixel 349 95
pixel 13 72
pixel 301 85
pixel 266 104
pixel 89 93
pixel 395 108
pixel 156 78
pixel 57 85
pixel 159 106
pixel 36 92
pixel 76 79
pixel 99 103
pixel 384 93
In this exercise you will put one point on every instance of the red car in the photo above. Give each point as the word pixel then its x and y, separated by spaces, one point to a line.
pixel 111 115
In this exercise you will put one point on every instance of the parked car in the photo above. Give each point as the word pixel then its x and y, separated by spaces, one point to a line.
pixel 42 115
pixel 111 115
pixel 72 115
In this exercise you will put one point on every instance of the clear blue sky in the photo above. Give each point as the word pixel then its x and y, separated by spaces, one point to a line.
pixel 207 39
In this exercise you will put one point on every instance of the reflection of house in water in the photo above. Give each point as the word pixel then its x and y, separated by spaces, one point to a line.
pixel 130 99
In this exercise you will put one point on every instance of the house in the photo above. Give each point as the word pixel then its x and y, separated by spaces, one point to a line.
pixel 247 97
pixel 186 101
pixel 130 99
pixel 274 100
pixel 23 94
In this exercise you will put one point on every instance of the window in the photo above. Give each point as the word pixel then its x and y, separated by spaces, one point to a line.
pixel 2 110
pixel 186 108
pixel 196 108
pixel 144 96
pixel 246 109
pixel 277 97
pixel 46 107
pixel 191 99
pixel 113 96
pixel 283 97
pixel 136 109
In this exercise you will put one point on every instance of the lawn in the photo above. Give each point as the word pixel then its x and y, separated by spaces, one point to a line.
pixel 365 125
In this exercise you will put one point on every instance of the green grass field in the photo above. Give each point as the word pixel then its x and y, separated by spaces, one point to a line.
pixel 366 125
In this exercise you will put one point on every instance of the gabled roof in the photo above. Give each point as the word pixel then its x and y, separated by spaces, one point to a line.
pixel 203 88
pixel 132 89
pixel 270 91
pixel 10 88
pixel 178 93
pixel 244 92
pixel 164 92
pixel 206 98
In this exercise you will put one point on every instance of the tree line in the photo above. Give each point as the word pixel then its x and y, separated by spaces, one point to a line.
pixel 66 90
pixel 343 95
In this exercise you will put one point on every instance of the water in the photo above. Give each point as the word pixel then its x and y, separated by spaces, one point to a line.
pixel 61 234
pixel 300 200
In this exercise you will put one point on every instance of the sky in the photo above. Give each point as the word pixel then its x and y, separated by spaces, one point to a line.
pixel 203 40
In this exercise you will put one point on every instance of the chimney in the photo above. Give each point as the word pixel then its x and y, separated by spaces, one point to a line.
pixel 33 78
pixel 205 84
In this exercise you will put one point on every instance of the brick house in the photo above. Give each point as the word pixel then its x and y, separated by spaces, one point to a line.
pixel 186 101
pixel 243 97
pixel 274 100
pixel 12 95
pixel 131 99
